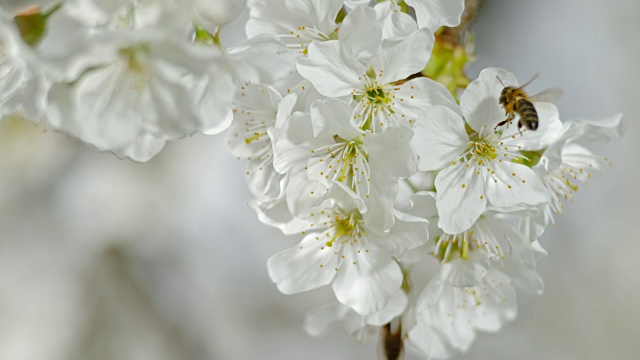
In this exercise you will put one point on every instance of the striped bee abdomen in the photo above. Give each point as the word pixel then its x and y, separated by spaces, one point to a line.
pixel 528 113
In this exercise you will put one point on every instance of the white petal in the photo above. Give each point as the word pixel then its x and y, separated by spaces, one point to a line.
pixel 367 285
pixel 578 157
pixel 212 14
pixel 423 205
pixel 353 3
pixel 461 197
pixel 285 109
pixel 395 307
pixel 407 233
pixel 361 32
pixel 395 23
pixel 605 129
pixel 399 25
pixel 263 180
pixel 469 272
pixel 440 138
pixel 256 106
pixel 401 58
pixel 278 215
pixel 305 267
pixel 422 93
pixel 378 214
pixel 332 68
pixel 272 17
pixel 497 303
pixel 436 13
pixel 319 320
pixel 523 188
pixel 390 153
pixel 321 12
pixel 442 324
pixel 331 117
pixel 293 142
pixel 429 339
pixel 479 101
pixel 534 224
pixel 581 130
pixel 258 60
pixel 303 193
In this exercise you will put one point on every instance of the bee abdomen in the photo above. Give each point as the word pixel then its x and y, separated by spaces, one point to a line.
pixel 526 110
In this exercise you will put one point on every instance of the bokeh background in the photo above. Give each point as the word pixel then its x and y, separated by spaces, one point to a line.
pixel 104 259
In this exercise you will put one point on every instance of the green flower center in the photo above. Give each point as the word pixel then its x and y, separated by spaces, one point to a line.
pixel 346 228
pixel 377 95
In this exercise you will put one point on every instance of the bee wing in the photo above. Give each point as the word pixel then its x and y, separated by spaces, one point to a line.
pixel 530 81
pixel 550 95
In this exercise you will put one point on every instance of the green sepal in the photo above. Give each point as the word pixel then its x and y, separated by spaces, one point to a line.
pixel 32 25
pixel 447 64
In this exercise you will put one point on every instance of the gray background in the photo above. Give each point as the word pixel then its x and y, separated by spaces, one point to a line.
pixel 102 258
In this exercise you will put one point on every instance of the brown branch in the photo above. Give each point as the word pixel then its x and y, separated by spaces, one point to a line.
pixel 391 344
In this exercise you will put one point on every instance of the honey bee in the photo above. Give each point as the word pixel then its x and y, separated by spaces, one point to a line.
pixel 516 101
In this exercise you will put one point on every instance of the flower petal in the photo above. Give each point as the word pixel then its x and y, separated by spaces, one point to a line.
pixel 400 58
pixel 390 153
pixel 422 93
pixel 305 267
pixel 332 68
pixel 395 23
pixel 439 139
pixel 395 307
pixel 378 214
pixel 322 13
pixel 361 32
pixel 513 184
pixel 318 321
pixel 278 215
pixel 460 197
pixel 470 271
pixel 408 232
pixel 436 13
pixel 332 117
pixel 367 280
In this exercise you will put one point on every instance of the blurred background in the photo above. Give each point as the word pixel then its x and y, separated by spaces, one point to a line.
pixel 104 259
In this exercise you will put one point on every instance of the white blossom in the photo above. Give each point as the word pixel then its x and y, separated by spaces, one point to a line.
pixel 257 108
pixel 340 249
pixel 480 168
pixel 322 152
pixel 318 322
pixel 431 14
pixel 448 316
pixel 139 88
pixel 296 22
pixel 336 70
pixel 566 163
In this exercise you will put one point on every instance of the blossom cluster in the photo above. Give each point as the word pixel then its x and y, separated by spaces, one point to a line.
pixel 326 103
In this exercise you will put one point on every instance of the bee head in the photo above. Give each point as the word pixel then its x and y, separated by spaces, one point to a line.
pixel 505 95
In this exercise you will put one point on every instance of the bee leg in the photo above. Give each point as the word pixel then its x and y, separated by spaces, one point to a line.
pixel 520 128
pixel 506 121
pixel 500 124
